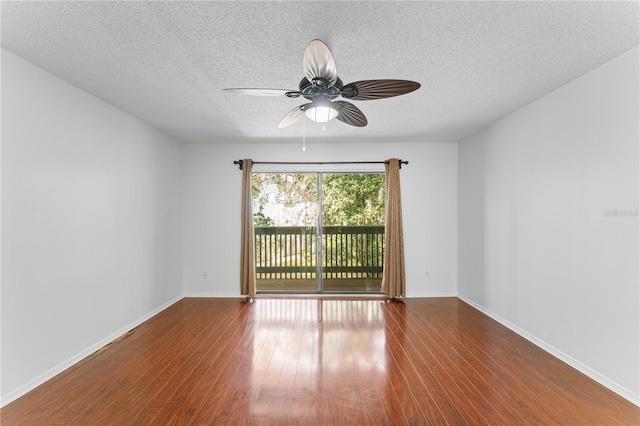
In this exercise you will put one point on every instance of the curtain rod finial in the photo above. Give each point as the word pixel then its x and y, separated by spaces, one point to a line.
pixel 239 163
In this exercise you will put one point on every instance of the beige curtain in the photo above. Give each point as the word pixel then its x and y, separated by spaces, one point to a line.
pixel 247 252
pixel 393 276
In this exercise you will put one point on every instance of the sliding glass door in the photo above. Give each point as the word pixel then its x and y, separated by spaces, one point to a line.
pixel 318 232
pixel 352 231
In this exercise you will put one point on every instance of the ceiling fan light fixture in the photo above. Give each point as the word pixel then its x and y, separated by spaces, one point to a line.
pixel 321 85
pixel 321 112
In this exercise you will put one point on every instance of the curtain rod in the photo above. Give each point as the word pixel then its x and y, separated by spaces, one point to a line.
pixel 400 162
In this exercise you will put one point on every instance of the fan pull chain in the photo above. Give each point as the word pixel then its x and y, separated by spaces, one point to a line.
pixel 304 134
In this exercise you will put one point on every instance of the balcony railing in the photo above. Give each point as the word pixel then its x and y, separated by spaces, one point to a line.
pixel 291 252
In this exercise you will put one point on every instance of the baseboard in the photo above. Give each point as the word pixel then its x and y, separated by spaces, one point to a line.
pixel 603 380
pixel 418 295
pixel 12 396
pixel 221 295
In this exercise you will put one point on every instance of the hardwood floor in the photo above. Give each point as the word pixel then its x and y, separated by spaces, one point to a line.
pixel 315 361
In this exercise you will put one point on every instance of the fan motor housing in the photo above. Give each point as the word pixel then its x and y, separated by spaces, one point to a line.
pixel 320 89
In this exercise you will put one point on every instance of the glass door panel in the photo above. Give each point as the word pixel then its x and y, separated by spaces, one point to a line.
pixel 285 209
pixel 352 232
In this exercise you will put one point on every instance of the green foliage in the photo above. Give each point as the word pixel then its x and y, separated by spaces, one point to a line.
pixel 259 219
pixel 348 199
pixel 353 199
pixel 296 188
pixel 259 185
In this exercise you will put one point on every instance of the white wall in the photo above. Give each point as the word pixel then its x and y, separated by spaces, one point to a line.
pixel 539 244
pixel 91 224
pixel 212 186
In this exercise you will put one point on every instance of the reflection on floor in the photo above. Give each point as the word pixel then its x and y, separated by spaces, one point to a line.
pixel 347 285
pixel 321 361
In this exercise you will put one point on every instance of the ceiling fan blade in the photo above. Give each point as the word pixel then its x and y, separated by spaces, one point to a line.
pixel 292 116
pixel 318 64
pixel 350 114
pixel 367 90
pixel 265 92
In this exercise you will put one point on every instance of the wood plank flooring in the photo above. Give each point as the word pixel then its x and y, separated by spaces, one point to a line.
pixel 320 361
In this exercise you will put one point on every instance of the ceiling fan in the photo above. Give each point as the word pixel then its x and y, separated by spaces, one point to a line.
pixel 321 85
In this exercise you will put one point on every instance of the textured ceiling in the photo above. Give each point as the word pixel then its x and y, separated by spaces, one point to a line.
pixel 167 62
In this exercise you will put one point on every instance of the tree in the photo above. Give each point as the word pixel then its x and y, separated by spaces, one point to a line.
pixel 348 198
pixel 353 199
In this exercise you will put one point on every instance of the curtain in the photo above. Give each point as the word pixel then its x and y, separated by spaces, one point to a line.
pixel 393 275
pixel 247 252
